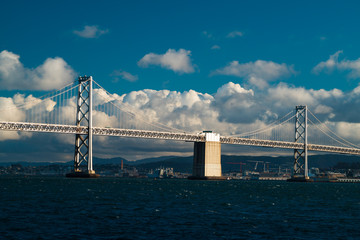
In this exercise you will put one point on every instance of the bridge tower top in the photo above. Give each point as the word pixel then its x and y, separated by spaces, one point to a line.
pixel 84 78
pixel 211 137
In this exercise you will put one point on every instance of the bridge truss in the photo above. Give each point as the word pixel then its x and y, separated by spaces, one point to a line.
pixel 104 131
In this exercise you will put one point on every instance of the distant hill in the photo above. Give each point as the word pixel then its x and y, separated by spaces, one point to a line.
pixel 229 162
pixel 180 164
pixel 330 160
pixel 116 160
pixel 150 160
pixel 96 161
pixel 35 164
pixel 325 161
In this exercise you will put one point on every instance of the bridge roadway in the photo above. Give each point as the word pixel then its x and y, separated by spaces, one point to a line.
pixel 103 131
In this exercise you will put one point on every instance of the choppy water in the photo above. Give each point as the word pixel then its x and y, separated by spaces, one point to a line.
pixel 110 208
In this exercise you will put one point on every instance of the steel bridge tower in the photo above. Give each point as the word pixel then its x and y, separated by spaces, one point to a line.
pixel 300 171
pixel 83 142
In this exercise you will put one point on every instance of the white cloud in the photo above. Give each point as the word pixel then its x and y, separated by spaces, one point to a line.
pixel 10 113
pixel 232 109
pixel 285 96
pixel 126 76
pixel 52 74
pixel 235 104
pixel 8 106
pixel 235 34
pixel 333 63
pixel 231 89
pixel 349 131
pixel 178 61
pixel 323 38
pixel 329 65
pixel 319 101
pixel 215 47
pixel 235 109
pixel 101 119
pixel 207 34
pixel 91 32
pixel 257 73
pixel 323 109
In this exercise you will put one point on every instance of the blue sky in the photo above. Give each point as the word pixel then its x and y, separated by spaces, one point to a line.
pixel 266 56
pixel 300 34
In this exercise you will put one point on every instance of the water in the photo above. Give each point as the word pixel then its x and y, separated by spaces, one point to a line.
pixel 114 208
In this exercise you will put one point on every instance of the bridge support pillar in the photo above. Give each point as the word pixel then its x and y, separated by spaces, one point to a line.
pixel 300 171
pixel 207 158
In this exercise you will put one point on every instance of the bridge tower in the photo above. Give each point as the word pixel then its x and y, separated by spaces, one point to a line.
pixel 83 142
pixel 300 171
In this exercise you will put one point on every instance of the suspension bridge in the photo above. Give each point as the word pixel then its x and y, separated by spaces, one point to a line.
pixel 84 108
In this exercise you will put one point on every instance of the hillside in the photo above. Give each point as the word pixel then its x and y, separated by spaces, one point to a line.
pixel 228 162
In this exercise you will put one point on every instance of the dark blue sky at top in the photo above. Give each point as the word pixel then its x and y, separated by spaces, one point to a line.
pixel 298 33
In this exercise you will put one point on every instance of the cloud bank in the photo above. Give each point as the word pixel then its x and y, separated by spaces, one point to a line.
pixel 232 109
pixel 52 74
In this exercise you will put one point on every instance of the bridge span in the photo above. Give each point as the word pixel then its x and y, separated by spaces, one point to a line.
pixel 176 136
pixel 207 145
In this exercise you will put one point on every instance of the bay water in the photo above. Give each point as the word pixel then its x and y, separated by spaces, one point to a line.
pixel 124 208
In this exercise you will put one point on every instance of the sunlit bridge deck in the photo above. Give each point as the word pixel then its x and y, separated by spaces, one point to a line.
pixel 105 131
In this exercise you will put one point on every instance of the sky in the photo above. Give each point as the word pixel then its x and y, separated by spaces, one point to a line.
pixel 237 63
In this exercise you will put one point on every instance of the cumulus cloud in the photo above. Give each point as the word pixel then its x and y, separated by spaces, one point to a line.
pixel 8 106
pixel 328 65
pixel 323 38
pixel 126 76
pixel 333 63
pixel 235 34
pixel 207 34
pixel 164 105
pixel 232 109
pixel 230 89
pixel 232 99
pixel 17 106
pixel 22 108
pixel 52 74
pixel 91 32
pixel 258 73
pixel 319 102
pixel 178 61
pixel 10 112
pixel 349 131
pixel 215 47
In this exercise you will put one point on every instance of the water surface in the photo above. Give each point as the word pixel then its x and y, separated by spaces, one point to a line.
pixel 115 208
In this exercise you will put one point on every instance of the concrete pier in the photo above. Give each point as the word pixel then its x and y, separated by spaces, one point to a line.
pixel 207 158
pixel 80 174
pixel 300 179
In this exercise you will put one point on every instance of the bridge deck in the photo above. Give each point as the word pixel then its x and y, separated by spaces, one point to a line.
pixel 70 129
